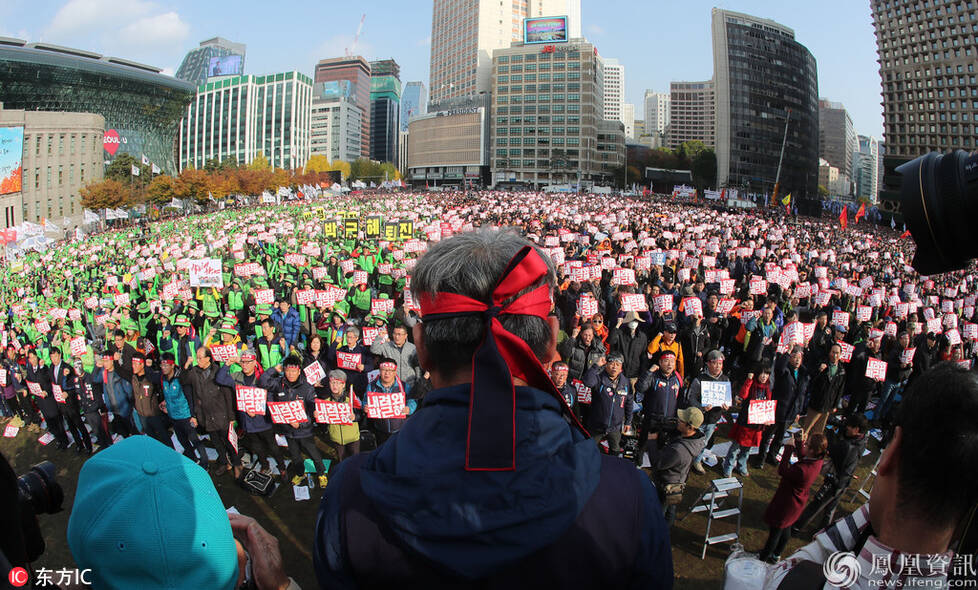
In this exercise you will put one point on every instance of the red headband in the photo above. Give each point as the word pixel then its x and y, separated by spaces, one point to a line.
pixel 491 438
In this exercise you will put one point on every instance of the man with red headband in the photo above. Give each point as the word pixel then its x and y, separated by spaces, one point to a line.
pixel 492 482
pixel 381 390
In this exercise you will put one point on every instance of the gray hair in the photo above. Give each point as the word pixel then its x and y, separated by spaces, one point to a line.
pixel 471 264
pixel 337 374
pixel 353 330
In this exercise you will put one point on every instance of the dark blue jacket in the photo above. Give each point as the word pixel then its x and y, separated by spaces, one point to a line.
pixel 290 324
pixel 611 402
pixel 659 395
pixel 409 514
pixel 788 390
pixel 225 377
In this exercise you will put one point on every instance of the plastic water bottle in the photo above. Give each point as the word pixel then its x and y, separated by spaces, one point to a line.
pixel 743 571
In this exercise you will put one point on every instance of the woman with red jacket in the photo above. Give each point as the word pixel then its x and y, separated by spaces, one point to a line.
pixel 744 435
pixel 792 493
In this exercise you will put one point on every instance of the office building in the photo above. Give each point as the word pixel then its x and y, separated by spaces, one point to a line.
pixel 141 106
pixel 865 168
pixel 356 71
pixel 692 113
pixel 764 78
pixel 927 55
pixel 611 149
pixel 628 119
pixel 465 34
pixel 214 57
pixel 449 146
pixel 336 122
pixel 402 153
pixel 240 117
pixel 656 111
pixel 547 106
pixel 614 90
pixel 61 153
pixel 414 102
pixel 385 110
pixel 836 137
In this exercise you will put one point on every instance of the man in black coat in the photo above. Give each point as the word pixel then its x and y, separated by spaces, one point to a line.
pixel 860 387
pixel 630 339
pixel 790 385
pixel 38 383
pixel 63 375
pixel 826 389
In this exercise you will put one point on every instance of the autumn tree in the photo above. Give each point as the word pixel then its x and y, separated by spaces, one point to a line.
pixel 193 184
pixel 317 163
pixel 105 194
pixel 162 190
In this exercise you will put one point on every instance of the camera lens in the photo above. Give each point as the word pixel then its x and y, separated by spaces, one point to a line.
pixel 39 488
pixel 939 193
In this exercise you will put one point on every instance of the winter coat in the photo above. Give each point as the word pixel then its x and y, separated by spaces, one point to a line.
pixel 743 432
pixel 611 401
pixel 257 423
pixel 693 398
pixel 677 457
pixel 659 396
pixel 214 405
pixel 290 324
pixel 147 393
pixel 632 347
pixel 789 500
pixel 845 453
pixel 658 345
pixel 789 390
pixel 826 391
pixel 544 540
pixel 580 358
pixel 406 357
pixel 281 389
pixel 116 391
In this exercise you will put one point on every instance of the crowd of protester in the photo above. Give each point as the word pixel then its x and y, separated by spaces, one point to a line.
pixel 669 321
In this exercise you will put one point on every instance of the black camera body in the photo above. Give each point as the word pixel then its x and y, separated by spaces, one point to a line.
pixel 938 197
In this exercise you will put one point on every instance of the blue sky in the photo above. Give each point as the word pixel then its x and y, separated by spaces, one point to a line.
pixel 657 40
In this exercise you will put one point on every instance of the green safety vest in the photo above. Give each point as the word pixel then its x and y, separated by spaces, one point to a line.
pixel 270 358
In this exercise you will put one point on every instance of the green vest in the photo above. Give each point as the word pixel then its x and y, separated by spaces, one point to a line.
pixel 270 358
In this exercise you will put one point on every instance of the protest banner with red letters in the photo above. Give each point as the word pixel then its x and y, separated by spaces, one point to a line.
pixel 761 411
pixel 348 360
pixel 381 306
pixel 583 392
pixel 876 369
pixel 288 412
pixel 224 352
pixel 264 296
pixel 251 400
pixel 693 306
pixel 661 303
pixel 78 346
pixel 587 306
pixel 906 357
pixel 314 372
pixel 305 296
pixel 633 302
pixel 385 405
pixel 330 412
pixel 847 350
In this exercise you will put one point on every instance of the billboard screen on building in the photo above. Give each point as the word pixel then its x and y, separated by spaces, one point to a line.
pixel 11 158
pixel 224 66
pixel 551 29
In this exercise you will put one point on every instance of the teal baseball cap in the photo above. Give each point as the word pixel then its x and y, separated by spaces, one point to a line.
pixel 147 517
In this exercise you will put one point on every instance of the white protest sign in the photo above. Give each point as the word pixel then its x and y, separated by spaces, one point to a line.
pixel 715 393
pixel 206 272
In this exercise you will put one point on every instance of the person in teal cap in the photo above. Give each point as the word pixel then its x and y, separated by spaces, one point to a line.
pixel 146 517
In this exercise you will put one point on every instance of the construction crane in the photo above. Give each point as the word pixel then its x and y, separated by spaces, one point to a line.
pixel 356 38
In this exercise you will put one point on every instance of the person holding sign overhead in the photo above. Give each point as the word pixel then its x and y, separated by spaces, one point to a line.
pixel 744 434
pixel 378 396
pixel 790 388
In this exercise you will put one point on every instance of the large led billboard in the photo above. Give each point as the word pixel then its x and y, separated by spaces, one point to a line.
pixel 224 66
pixel 549 29
pixel 11 159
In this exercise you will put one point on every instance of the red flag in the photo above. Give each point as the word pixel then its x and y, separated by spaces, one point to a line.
pixel 861 212
pixel 843 217
pixel 905 234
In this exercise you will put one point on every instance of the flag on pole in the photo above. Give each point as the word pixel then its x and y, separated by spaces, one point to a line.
pixel 892 223
pixel 145 160
pixel 135 170
pixel 786 200
pixel 905 234
pixel 861 212
pixel 843 217
pixel 156 169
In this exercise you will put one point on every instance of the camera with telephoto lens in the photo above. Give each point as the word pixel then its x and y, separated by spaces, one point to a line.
pixel 939 198
pixel 38 492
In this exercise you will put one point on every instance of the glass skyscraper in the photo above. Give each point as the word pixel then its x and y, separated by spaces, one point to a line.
pixel 139 104
pixel 385 110
pixel 764 77
pixel 414 102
